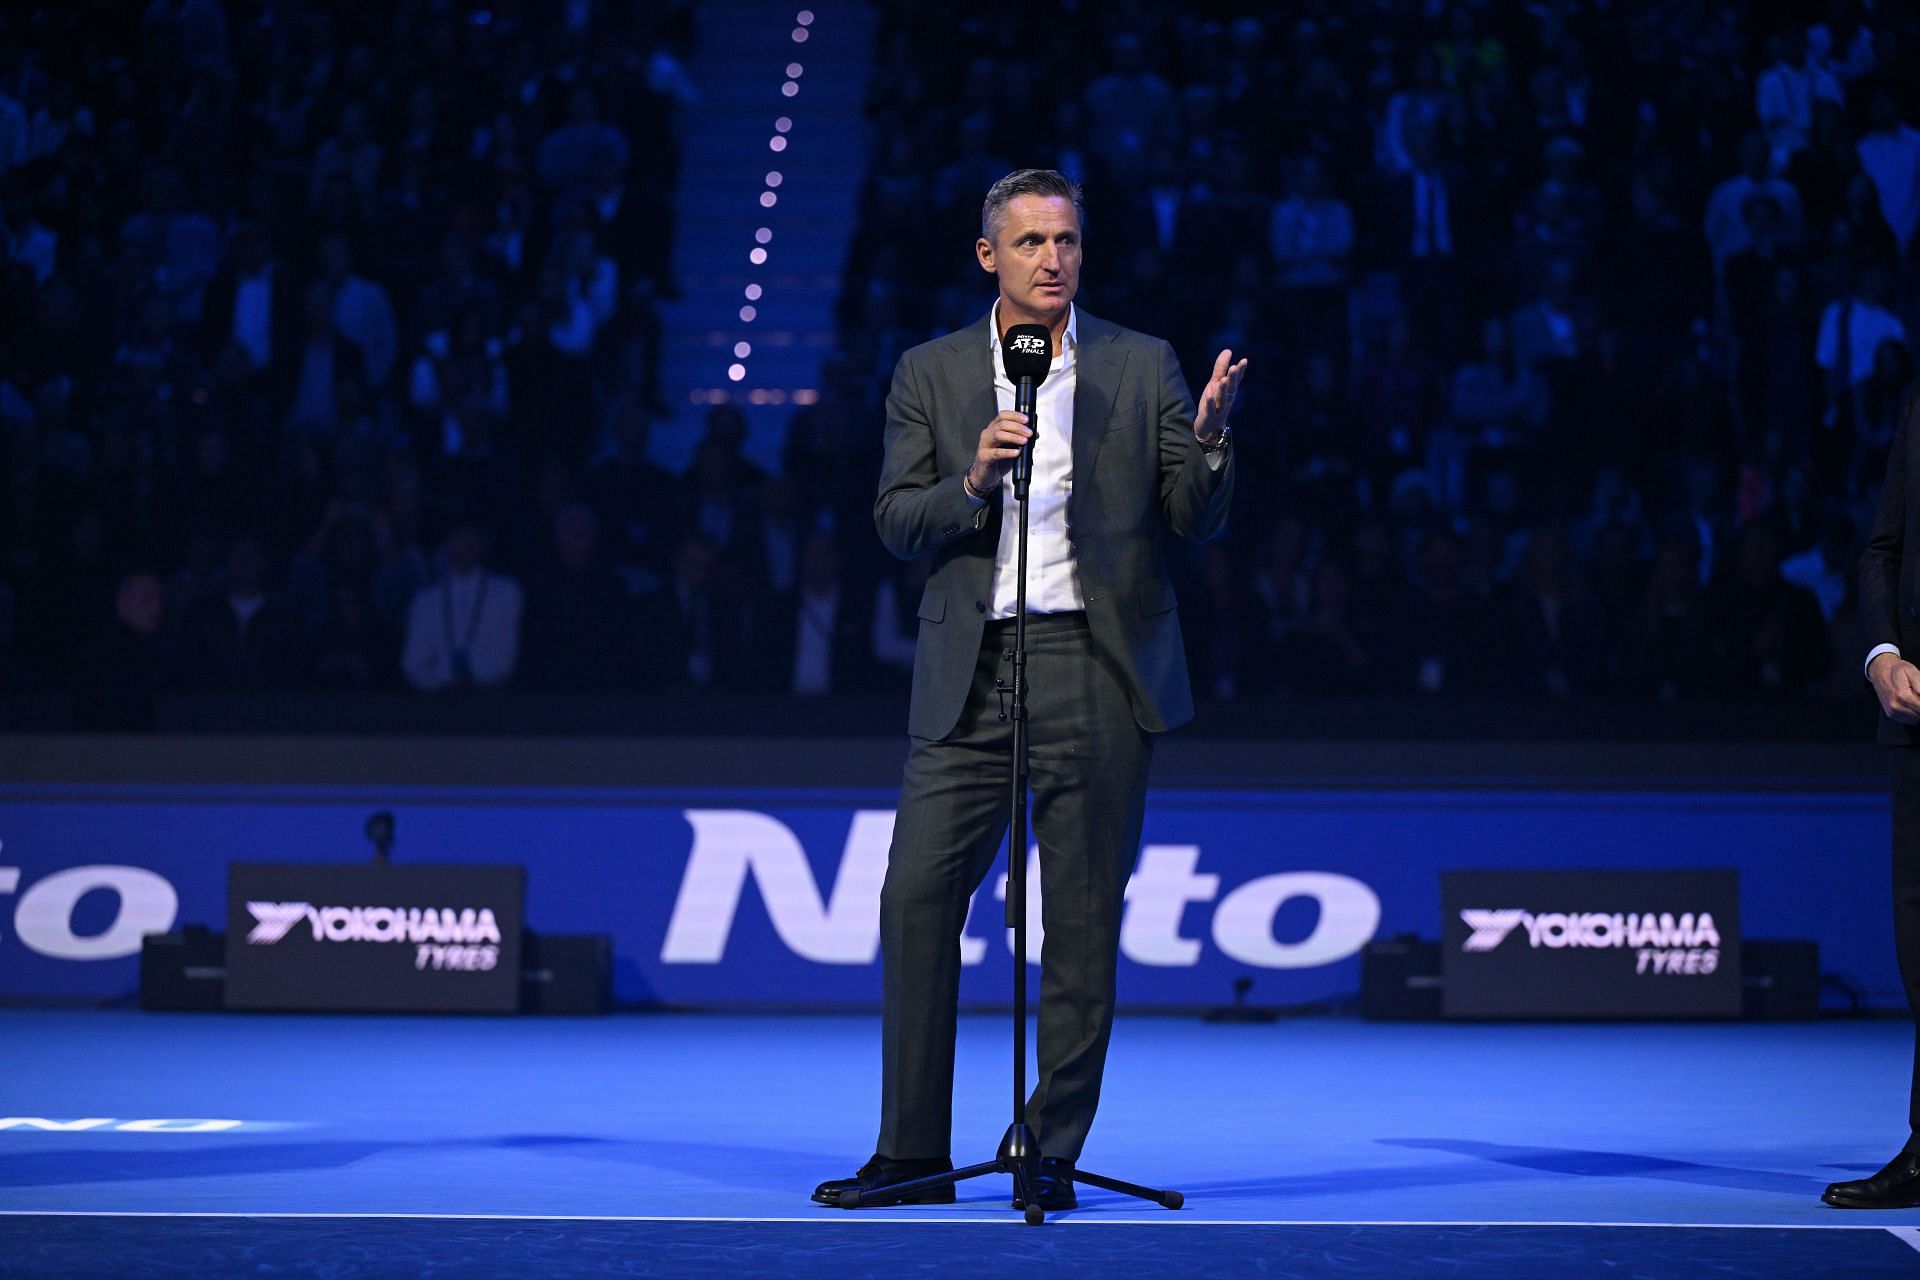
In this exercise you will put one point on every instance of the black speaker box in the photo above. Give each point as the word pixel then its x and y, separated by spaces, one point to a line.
pixel 1400 979
pixel 1780 979
pixel 566 973
pixel 184 971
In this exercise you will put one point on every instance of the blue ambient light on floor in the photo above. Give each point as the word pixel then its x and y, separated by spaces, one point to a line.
pixel 1330 1121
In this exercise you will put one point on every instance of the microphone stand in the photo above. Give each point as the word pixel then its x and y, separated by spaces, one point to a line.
pixel 1019 1152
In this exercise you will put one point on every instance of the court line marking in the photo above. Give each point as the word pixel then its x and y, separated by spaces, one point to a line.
pixel 1910 1234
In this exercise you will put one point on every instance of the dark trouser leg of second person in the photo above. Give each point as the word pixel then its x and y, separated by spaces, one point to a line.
pixel 1906 902
pixel 952 817
pixel 1090 761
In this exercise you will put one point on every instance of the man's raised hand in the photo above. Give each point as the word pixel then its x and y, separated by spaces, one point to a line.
pixel 1216 402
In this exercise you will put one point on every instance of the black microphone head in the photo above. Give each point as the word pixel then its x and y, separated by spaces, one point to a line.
pixel 1028 352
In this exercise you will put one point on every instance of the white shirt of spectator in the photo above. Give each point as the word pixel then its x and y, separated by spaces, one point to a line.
pixel 477 611
pixel 35 248
pixel 1053 580
pixel 1827 582
pixel 1432 232
pixel 313 405
pixel 1892 161
pixel 253 316
pixel 1166 216
pixel 1868 326
pixel 1783 99
pixel 363 315
pixel 814 621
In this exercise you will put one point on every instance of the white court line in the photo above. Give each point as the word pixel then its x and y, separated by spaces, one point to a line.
pixel 1171 1219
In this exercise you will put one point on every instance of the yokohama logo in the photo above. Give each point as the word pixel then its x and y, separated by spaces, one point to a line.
pixel 1590 929
pixel 466 925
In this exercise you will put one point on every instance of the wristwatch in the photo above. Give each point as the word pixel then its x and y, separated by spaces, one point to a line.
pixel 1215 446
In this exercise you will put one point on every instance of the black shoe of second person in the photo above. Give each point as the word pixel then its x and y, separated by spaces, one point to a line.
pixel 1895 1187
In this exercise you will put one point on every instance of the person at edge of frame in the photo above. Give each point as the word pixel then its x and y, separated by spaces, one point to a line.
pixel 1890 626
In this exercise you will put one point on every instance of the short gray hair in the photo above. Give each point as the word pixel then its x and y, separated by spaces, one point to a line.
pixel 1050 183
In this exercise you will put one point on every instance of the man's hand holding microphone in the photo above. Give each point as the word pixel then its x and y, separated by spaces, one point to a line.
pixel 1000 444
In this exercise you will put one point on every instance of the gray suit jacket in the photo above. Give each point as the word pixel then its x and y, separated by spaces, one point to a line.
pixel 1138 474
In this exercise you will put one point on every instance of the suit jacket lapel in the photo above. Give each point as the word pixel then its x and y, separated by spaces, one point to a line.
pixel 966 386
pixel 1101 362
pixel 967 375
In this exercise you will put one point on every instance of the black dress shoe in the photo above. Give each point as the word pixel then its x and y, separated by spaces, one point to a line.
pixel 1052 1186
pixel 882 1172
pixel 1895 1187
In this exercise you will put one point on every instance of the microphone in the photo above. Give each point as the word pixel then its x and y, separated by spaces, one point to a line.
pixel 1027 350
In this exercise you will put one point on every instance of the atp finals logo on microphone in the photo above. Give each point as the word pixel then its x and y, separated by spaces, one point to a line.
pixel 1027 344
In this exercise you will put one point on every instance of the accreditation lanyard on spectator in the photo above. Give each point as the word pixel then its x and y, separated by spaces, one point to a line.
pixel 462 655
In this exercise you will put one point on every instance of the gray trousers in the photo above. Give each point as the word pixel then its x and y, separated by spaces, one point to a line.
pixel 1089 761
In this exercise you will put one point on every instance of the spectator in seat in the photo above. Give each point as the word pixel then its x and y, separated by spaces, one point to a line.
pixel 567 159
pixel 243 638
pixel 1784 96
pixel 1312 241
pixel 463 632
pixel 1129 110
pixel 123 666
pixel 693 625
pixel 354 648
pixel 635 497
pixel 1727 221
pixel 1770 639
pixel 817 638
pixel 1890 157
pixel 1851 332
pixel 579 621
pixel 1327 656
pixel 1555 637
pixel 362 312
pixel 253 302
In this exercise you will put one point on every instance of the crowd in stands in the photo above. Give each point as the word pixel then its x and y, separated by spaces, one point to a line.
pixel 1579 331
pixel 330 340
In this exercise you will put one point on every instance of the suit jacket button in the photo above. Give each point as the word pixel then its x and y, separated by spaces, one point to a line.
pixel 979 606
pixel 953 528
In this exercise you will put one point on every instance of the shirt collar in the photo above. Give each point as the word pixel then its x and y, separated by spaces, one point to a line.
pixel 1068 341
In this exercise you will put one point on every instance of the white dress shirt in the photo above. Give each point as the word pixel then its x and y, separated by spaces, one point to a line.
pixel 1053 580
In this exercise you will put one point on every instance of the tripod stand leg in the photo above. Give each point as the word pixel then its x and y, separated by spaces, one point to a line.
pixel 894 1193
pixel 1170 1199
pixel 1023 1195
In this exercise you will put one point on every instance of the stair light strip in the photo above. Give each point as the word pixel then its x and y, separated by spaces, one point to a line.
pixel 758 255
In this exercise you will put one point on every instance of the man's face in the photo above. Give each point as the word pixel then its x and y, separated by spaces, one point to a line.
pixel 1037 257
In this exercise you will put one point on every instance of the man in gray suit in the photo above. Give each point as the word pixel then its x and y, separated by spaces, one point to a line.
pixel 1120 461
